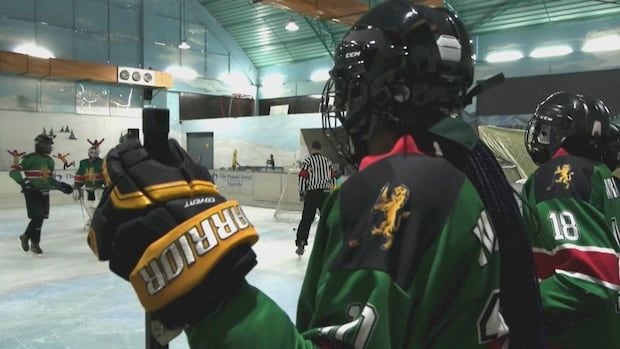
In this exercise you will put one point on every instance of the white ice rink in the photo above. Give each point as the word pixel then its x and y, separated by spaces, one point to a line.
pixel 67 299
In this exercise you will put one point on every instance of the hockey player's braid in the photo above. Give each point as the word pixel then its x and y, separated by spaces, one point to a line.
pixel 520 301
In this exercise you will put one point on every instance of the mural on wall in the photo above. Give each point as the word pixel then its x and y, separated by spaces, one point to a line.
pixel 18 130
pixel 16 155
pixel 65 160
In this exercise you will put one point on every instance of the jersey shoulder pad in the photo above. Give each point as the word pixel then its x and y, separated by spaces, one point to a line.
pixel 564 177
pixel 393 211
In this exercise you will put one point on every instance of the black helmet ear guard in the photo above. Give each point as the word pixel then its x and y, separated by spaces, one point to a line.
pixel 400 63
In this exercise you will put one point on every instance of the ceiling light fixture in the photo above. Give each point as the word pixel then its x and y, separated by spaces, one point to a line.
pixel 602 44
pixel 504 56
pixel 291 25
pixel 183 45
pixel 551 51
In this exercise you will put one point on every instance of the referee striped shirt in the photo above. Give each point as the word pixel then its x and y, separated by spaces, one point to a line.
pixel 316 173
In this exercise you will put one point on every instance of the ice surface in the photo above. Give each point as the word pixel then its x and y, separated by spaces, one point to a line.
pixel 67 299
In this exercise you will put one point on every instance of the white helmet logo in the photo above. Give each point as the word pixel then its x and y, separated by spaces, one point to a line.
pixel 449 48
pixel 597 129
pixel 353 54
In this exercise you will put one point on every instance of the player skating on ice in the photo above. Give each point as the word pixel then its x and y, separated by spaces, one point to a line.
pixel 38 179
pixel 89 179
pixel 572 210
pixel 406 251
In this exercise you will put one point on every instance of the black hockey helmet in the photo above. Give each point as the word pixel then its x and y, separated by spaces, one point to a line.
pixel 612 151
pixel 43 144
pixel 399 62
pixel 579 123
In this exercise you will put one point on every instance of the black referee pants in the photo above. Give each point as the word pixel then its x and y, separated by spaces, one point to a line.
pixel 313 200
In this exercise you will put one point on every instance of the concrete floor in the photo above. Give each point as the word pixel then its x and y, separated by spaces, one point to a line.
pixel 67 299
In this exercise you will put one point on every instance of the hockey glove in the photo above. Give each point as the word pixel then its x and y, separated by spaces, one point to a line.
pixel 65 188
pixel 166 229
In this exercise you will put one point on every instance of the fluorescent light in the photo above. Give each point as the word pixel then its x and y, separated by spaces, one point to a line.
pixel 551 51
pixel 184 45
pixel 179 72
pixel 602 44
pixel 320 75
pixel 316 96
pixel 33 50
pixel 504 56
pixel 291 26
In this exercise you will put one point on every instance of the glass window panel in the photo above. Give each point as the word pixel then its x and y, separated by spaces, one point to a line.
pixel 57 96
pixel 14 33
pixel 196 36
pixel 126 101
pixel 18 93
pixel 134 4
pixel 91 47
pixel 19 9
pixel 162 30
pixel 126 53
pixel 125 23
pixel 160 57
pixel 215 46
pixel 195 60
pixel 92 99
pixel 56 39
pixel 55 12
pixel 91 16
pixel 216 65
pixel 164 8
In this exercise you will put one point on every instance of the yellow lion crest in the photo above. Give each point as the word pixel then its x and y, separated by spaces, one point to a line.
pixel 391 207
pixel 563 175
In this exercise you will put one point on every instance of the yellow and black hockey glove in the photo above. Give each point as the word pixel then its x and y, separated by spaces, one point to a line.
pixel 166 229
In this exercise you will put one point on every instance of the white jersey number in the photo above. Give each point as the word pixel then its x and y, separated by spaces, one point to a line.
pixel 564 225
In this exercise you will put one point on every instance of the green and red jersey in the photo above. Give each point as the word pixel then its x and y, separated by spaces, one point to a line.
pixel 37 169
pixel 571 209
pixel 395 264
pixel 90 174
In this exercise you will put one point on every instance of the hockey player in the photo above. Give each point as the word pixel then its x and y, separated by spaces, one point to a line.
pixel 89 178
pixel 571 208
pixel 406 252
pixel 38 168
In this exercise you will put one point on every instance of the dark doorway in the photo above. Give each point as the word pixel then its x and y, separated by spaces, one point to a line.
pixel 200 148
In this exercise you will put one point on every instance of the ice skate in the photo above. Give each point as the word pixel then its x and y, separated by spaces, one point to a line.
pixel 24 242
pixel 36 249
pixel 299 251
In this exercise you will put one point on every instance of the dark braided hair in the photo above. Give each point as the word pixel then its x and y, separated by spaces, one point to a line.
pixel 519 297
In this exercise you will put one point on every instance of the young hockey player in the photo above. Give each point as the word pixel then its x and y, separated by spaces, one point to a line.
pixel 89 178
pixel 406 251
pixel 38 168
pixel 571 209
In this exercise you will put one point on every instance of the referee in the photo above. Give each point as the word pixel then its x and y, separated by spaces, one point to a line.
pixel 316 179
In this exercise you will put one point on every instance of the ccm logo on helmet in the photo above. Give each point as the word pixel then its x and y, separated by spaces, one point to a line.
pixel 194 243
pixel 353 54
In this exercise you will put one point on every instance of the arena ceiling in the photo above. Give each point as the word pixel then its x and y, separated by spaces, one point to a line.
pixel 258 25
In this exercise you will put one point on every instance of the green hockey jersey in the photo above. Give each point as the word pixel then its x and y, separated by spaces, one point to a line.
pixel 394 265
pixel 571 209
pixel 38 169
pixel 89 174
